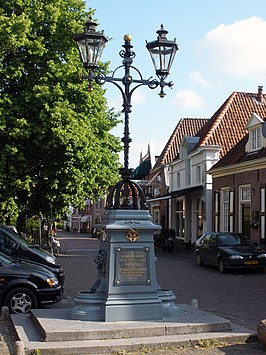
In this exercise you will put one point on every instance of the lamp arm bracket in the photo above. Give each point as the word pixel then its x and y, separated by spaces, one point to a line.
pixel 162 84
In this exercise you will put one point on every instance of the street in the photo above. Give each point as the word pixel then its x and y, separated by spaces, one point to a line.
pixel 238 295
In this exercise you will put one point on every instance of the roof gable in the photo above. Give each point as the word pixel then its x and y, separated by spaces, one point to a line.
pixel 238 155
pixel 228 125
pixel 241 152
pixel 185 127
pixel 254 120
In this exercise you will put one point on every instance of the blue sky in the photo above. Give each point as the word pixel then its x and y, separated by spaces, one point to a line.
pixel 222 48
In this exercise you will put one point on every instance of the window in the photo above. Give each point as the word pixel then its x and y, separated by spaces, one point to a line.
pixel 255 139
pixel 180 220
pixel 212 240
pixel 199 174
pixel 245 193
pixel 245 209
pixel 225 210
pixel 178 180
pixel 188 172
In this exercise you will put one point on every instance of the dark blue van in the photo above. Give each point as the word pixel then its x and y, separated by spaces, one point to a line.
pixel 12 244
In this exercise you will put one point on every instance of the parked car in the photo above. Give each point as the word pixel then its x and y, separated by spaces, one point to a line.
pixel 11 244
pixel 13 228
pixel 24 286
pixel 229 251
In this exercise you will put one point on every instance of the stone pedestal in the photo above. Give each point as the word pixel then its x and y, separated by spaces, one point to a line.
pixel 126 288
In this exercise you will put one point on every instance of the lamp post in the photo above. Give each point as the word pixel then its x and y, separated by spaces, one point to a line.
pixel 126 288
pixel 91 44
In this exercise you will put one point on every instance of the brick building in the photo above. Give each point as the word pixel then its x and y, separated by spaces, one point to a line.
pixel 239 185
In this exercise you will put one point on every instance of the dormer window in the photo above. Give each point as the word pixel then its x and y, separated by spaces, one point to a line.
pixel 256 134
pixel 255 139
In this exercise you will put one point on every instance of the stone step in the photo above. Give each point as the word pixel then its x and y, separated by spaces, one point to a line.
pixel 50 331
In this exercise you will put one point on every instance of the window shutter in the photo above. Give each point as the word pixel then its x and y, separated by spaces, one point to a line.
pixel 231 210
pixel 216 211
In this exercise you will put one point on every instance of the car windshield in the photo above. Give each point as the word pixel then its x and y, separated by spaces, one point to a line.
pixel 16 235
pixel 232 239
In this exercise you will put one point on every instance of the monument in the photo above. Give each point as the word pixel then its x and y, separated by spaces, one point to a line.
pixel 126 288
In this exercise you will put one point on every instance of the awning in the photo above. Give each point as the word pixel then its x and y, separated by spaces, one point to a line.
pixel 85 219
pixel 176 194
pixel 186 191
pixel 160 198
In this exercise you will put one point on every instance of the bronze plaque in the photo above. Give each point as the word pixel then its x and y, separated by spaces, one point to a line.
pixel 132 266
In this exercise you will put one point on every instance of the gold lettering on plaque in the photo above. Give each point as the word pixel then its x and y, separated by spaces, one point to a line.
pixel 132 266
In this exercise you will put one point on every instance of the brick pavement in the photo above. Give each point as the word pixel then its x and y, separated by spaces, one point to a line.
pixel 229 295
pixel 164 259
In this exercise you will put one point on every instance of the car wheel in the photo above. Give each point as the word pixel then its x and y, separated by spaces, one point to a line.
pixel 221 266
pixel 20 300
pixel 199 261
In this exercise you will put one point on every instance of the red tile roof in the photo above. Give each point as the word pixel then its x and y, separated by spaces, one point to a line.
pixel 227 126
pixel 185 127
pixel 238 155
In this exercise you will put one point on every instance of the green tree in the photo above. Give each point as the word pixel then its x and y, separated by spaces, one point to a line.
pixel 56 148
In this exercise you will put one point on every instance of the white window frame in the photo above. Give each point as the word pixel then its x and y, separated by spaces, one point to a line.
pixel 244 197
pixel 225 195
pixel 245 193
pixel 255 139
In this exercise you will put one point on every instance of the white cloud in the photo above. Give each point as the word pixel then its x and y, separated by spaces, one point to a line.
pixel 138 97
pixel 197 78
pixel 238 49
pixel 188 99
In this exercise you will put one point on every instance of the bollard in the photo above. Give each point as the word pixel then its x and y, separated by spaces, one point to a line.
pixel 194 303
pixel 19 348
pixel 4 313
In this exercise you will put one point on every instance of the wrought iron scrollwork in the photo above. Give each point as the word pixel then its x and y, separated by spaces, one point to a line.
pixel 126 194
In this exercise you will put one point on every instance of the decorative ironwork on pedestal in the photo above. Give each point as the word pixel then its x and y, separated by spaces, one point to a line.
pixel 126 194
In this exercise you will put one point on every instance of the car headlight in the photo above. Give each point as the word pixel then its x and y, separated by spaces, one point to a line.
pixel 50 259
pixel 52 281
pixel 235 257
pixel 262 256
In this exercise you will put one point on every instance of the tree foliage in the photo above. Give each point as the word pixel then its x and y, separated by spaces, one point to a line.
pixel 56 148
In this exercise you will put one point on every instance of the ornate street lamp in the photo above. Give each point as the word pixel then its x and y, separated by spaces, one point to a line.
pixel 126 288
pixel 162 53
pixel 91 44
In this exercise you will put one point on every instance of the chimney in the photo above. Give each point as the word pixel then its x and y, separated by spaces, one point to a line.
pixel 260 95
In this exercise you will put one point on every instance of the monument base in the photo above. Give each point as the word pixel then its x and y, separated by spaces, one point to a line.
pixel 126 288
pixel 95 307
